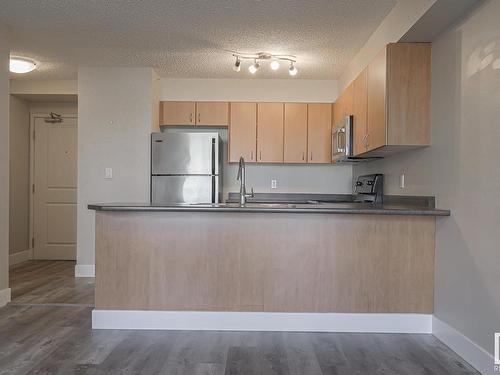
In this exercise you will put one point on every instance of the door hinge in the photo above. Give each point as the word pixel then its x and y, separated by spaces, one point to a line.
pixel 32 242
pixel 33 188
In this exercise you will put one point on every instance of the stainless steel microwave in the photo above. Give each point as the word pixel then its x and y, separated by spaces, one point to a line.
pixel 342 140
pixel 342 143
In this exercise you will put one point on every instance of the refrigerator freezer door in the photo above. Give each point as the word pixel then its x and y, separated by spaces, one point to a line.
pixel 184 153
pixel 184 189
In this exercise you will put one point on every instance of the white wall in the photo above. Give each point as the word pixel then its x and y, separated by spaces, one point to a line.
pixel 4 165
pixel 114 110
pixel 49 87
pixel 19 175
pixel 399 20
pixel 290 178
pixel 461 169
pixel 272 90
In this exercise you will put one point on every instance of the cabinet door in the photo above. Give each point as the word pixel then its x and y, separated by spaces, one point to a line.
pixel 243 132
pixel 212 113
pixel 347 102
pixel 408 93
pixel 376 117
pixel 319 133
pixel 295 133
pixel 338 112
pixel 270 132
pixel 177 113
pixel 360 102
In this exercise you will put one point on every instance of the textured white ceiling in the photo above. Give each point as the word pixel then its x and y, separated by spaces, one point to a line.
pixel 189 38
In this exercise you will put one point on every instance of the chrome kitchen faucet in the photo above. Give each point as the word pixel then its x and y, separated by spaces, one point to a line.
pixel 242 178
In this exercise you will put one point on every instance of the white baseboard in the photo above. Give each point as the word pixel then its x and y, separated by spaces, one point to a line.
pixel 476 356
pixel 20 256
pixel 4 297
pixel 84 270
pixel 261 321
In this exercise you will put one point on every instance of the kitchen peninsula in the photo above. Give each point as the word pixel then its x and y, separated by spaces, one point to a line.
pixel 261 258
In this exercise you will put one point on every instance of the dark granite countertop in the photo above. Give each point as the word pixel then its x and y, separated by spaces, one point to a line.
pixel 294 203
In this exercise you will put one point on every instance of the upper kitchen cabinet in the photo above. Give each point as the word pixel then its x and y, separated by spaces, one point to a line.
pixel 295 133
pixel 343 106
pixel 359 112
pixel 270 132
pixel 177 113
pixel 212 113
pixel 398 108
pixel 319 133
pixel 194 113
pixel 243 132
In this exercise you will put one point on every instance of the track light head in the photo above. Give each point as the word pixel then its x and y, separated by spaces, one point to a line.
pixel 275 65
pixel 237 65
pixel 292 70
pixel 254 67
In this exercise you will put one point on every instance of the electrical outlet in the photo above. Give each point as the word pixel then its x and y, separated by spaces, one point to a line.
pixel 402 181
pixel 108 173
pixel 273 184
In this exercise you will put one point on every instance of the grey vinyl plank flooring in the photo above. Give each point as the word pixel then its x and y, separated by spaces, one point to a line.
pixel 40 336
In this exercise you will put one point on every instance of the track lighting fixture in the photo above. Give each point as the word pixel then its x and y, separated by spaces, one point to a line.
pixel 237 65
pixel 264 56
pixel 254 67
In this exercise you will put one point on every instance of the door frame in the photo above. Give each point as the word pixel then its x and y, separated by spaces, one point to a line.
pixel 33 116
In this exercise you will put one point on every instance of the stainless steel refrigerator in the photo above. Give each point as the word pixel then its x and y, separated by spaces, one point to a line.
pixel 186 168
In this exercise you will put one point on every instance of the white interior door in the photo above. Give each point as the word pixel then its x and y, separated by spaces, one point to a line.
pixel 55 182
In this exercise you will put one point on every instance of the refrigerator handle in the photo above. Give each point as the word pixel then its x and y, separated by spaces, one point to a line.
pixel 213 155
pixel 214 189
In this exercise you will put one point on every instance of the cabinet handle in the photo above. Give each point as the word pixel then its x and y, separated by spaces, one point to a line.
pixel 251 155
pixel 311 155
pixel 191 118
pixel 366 141
pixel 199 118
pixel 260 154
pixel 303 155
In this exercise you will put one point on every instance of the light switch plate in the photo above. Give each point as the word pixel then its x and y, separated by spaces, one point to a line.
pixel 273 184
pixel 108 173
pixel 402 181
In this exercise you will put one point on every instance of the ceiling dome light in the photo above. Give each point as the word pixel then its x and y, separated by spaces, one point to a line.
pixel 292 70
pixel 254 67
pixel 22 65
pixel 275 65
pixel 237 65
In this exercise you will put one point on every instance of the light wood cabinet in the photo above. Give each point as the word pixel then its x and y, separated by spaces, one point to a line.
pixel 295 133
pixel 319 133
pixel 393 95
pixel 177 113
pixel 360 102
pixel 212 113
pixel 194 113
pixel 376 135
pixel 270 132
pixel 243 132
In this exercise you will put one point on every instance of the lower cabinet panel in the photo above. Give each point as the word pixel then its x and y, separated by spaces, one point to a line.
pixel 264 262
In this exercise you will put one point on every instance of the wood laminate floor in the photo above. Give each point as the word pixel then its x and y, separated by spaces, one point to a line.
pixel 47 330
